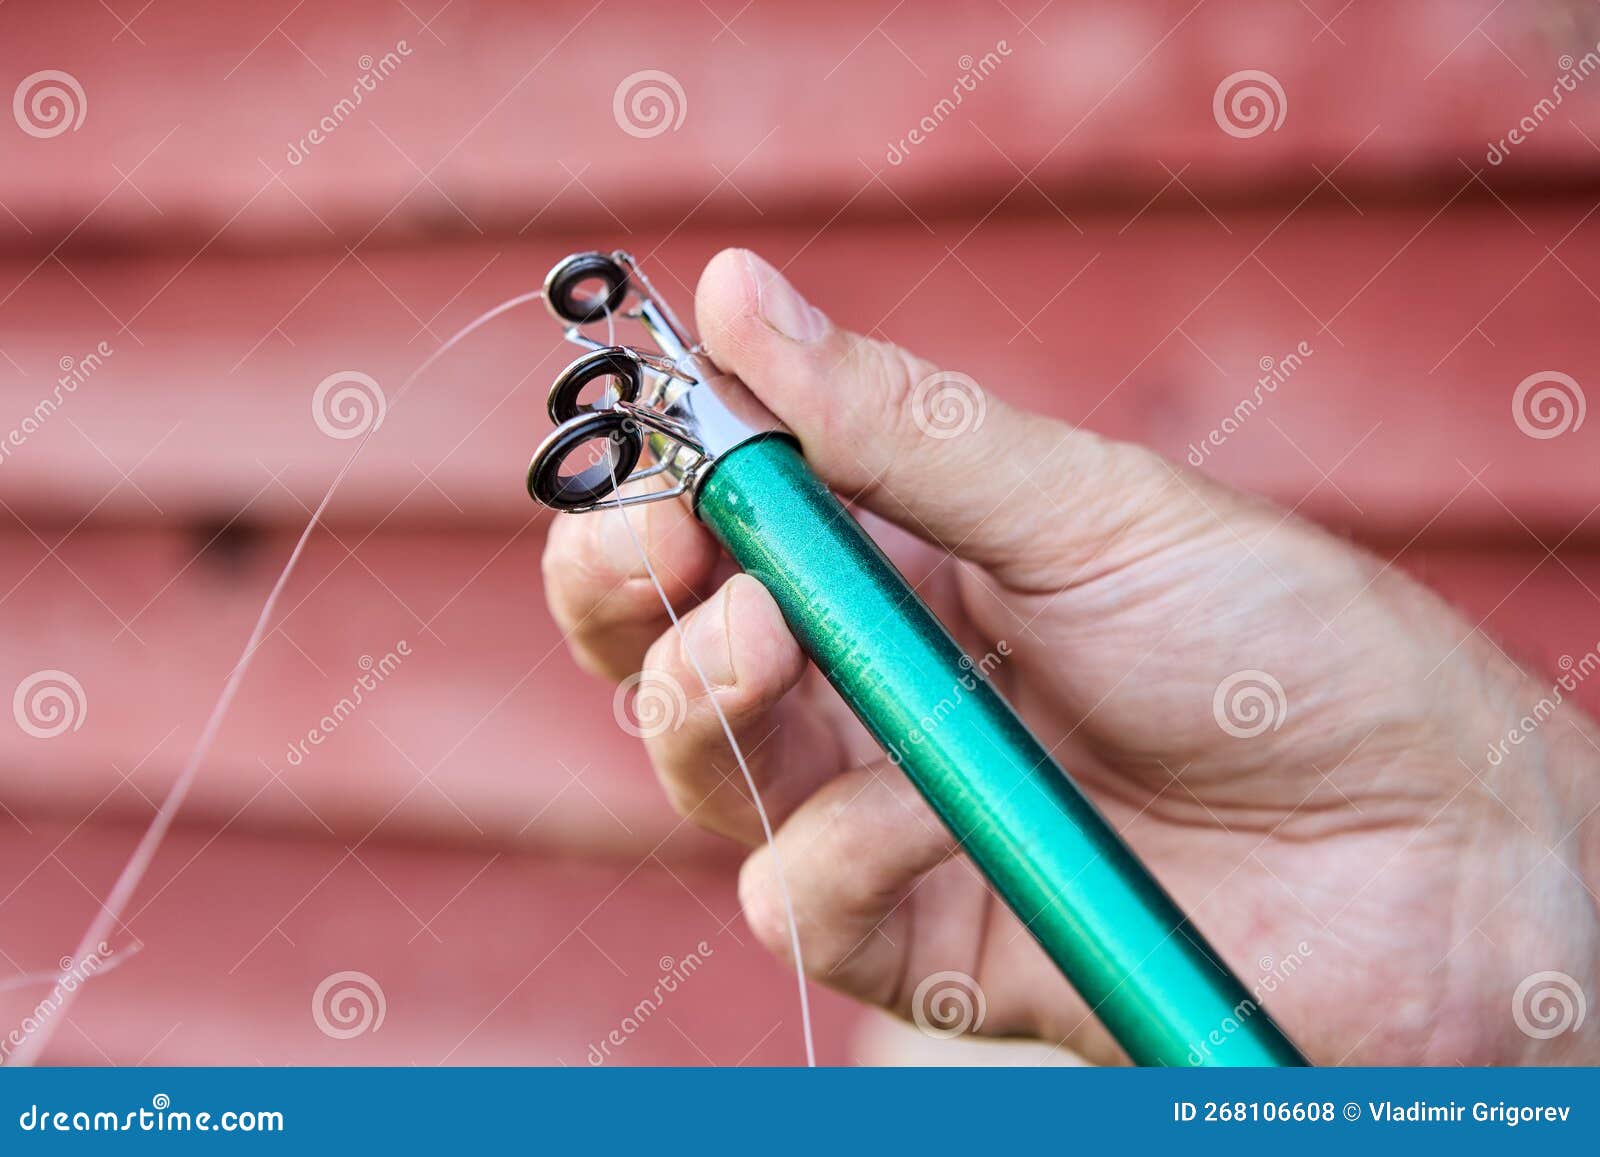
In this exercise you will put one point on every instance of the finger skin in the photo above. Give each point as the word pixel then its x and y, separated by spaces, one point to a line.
pixel 600 592
pixel 737 643
pixel 850 855
pixel 935 452
pixel 884 900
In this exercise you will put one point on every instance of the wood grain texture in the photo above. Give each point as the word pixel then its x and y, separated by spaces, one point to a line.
pixel 1079 234
pixel 485 735
pixel 490 947
pixel 501 118
pixel 481 958
pixel 1148 326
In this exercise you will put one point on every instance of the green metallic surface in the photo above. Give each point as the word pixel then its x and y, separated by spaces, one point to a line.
pixel 1114 932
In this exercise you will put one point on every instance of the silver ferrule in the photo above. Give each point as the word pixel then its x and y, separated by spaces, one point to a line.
pixel 715 409
pixel 674 404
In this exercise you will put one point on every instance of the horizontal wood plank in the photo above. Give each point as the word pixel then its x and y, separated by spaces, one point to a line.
pixel 443 703
pixel 480 958
pixel 472 827
pixel 501 116
pixel 1148 326
pixel 483 735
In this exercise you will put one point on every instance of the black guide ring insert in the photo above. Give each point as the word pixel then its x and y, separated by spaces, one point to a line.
pixel 615 362
pixel 624 443
pixel 561 288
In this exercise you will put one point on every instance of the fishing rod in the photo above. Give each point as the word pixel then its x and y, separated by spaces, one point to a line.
pixel 1145 971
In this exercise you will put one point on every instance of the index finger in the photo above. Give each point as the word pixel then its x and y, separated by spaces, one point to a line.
pixel 597 581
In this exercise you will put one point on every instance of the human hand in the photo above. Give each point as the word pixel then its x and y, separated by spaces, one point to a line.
pixel 1354 820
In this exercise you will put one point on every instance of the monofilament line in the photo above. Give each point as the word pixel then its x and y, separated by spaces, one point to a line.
pixel 133 872
pixel 749 779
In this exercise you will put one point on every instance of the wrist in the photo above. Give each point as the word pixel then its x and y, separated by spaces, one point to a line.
pixel 1537 869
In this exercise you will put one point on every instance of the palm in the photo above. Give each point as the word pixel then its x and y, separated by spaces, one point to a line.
pixel 1313 854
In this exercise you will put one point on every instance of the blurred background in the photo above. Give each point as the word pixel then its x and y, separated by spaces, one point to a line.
pixel 1127 215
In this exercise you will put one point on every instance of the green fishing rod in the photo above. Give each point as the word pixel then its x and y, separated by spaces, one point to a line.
pixel 624 413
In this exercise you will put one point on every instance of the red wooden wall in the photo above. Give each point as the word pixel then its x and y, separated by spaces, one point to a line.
pixel 1080 234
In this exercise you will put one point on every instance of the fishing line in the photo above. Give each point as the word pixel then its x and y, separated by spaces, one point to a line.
pixel 106 964
pixel 579 424
pixel 1049 852
pixel 749 779
pixel 144 853
pixel 133 872
pixel 722 719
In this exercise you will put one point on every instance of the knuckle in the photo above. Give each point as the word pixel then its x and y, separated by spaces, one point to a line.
pixel 555 566
pixel 727 811
pixel 762 905
pixel 891 375
pixel 684 780
pixel 590 661
pixel 684 801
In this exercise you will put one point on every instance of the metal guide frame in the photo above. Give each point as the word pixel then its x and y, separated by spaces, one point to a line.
pixel 671 404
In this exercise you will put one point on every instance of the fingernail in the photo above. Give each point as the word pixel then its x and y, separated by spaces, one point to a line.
pixel 781 306
pixel 708 637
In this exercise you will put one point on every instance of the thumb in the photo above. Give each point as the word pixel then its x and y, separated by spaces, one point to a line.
pixel 926 449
